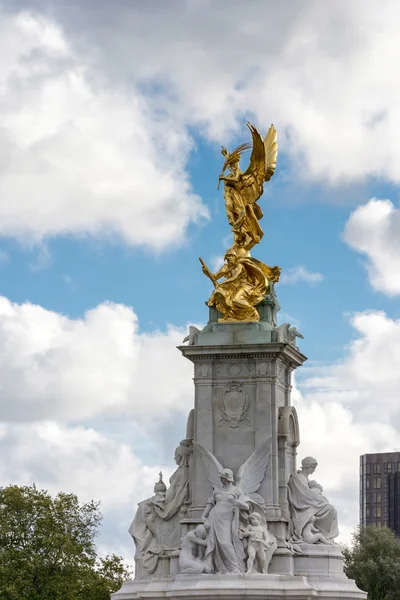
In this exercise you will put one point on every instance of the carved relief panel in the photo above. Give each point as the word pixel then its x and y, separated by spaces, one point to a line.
pixel 264 369
pixel 203 370
pixel 243 369
pixel 234 405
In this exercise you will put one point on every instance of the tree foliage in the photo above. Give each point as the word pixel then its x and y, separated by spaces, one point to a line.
pixel 373 561
pixel 47 548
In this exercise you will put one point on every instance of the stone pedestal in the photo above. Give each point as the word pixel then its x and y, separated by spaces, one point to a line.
pixel 237 587
pixel 242 398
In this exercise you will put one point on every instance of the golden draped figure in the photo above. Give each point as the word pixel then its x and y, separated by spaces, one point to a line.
pixel 246 279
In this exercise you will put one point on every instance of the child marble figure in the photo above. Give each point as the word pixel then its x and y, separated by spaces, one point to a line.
pixel 260 544
pixel 189 560
pixel 312 535
pixel 318 489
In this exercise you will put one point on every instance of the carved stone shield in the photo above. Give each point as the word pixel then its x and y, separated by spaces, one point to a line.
pixel 234 404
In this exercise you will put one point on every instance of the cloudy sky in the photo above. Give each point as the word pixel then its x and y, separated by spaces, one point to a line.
pixel 112 115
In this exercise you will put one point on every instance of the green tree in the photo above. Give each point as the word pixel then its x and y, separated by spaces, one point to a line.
pixel 47 548
pixel 373 560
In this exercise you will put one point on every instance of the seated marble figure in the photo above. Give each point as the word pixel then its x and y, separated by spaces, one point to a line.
pixel 307 502
pixel 162 507
pixel 312 535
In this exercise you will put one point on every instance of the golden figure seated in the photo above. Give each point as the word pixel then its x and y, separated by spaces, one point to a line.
pixel 245 285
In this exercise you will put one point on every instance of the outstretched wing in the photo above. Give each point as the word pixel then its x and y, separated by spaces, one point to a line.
pixel 211 464
pixel 271 152
pixel 251 473
pixel 254 177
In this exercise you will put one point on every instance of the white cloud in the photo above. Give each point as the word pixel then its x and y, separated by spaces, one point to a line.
pixel 323 73
pixel 79 155
pixel 53 367
pixel 300 273
pixel 94 121
pixel 374 230
pixel 216 263
pixel 351 408
pixel 368 376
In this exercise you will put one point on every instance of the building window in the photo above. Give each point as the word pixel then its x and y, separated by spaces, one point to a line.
pixel 377 483
pixel 368 497
pixel 377 497
pixel 385 497
pixel 378 512
pixel 385 511
pixel 368 483
pixel 387 467
pixel 377 468
pixel 368 468
pixel 368 512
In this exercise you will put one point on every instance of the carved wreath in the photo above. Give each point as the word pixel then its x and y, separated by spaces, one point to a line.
pixel 234 405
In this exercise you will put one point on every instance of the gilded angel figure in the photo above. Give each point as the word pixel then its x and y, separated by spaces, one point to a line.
pixel 225 552
pixel 242 190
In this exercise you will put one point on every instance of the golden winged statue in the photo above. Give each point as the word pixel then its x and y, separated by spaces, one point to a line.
pixel 247 280
pixel 243 190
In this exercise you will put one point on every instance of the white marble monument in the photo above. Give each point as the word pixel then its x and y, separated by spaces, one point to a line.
pixel 239 518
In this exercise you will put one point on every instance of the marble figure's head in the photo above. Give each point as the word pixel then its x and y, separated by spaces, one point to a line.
pixel 182 454
pixel 315 485
pixel 226 475
pixel 178 455
pixel 309 464
pixel 255 518
pixel 201 532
